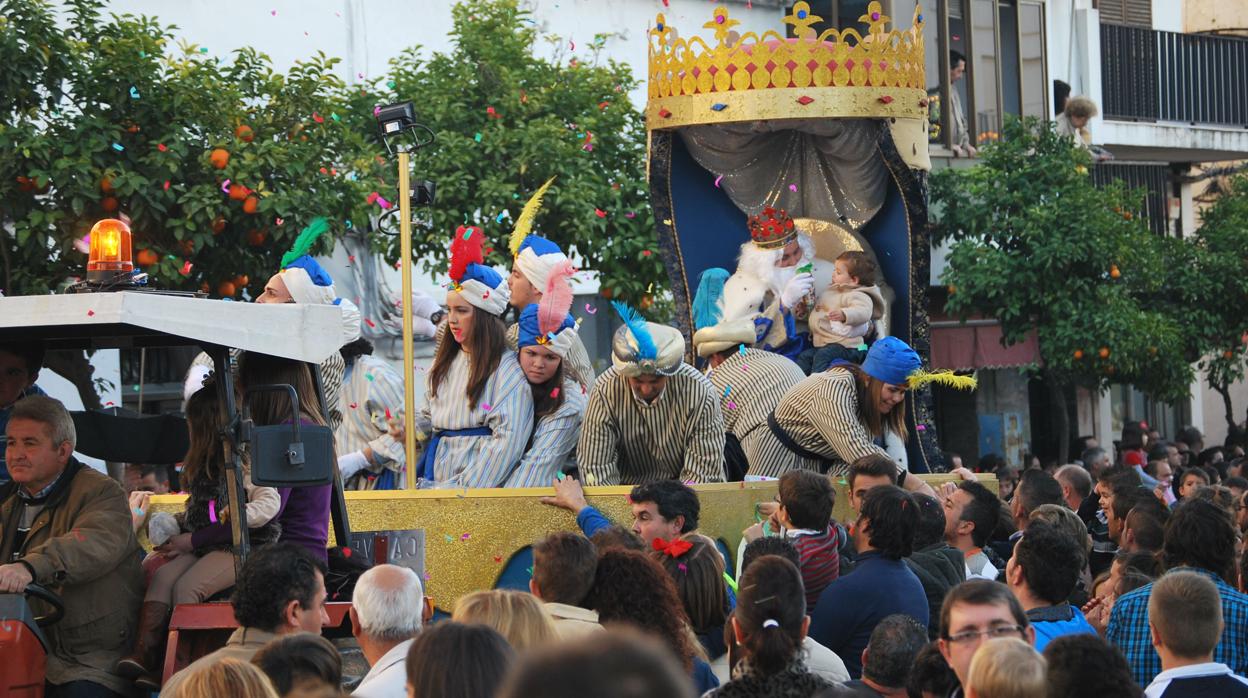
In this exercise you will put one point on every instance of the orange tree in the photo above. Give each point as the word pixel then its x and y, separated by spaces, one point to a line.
pixel 505 121
pixel 1209 290
pixel 1040 248
pixel 217 164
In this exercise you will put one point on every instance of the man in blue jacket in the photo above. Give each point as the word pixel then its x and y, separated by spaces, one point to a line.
pixel 881 583
pixel 1042 573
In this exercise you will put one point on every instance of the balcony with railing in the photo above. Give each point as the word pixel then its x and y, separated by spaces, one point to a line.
pixel 1157 76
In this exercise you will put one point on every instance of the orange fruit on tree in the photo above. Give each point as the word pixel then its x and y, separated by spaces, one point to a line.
pixel 1228 354
pixel 250 204
pixel 1104 352
pixel 109 203
pixel 226 289
pixel 1114 272
pixel 256 237
pixel 220 157
pixel 238 192
pixel 218 225
pixel 244 133
pixel 1078 354
pixel 646 302
pixel 147 258
pixel 106 185
pixel 606 293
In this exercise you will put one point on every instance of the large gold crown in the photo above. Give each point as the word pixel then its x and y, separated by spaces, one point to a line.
pixel 744 78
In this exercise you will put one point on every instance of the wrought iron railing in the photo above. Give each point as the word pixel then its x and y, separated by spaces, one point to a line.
pixel 1149 75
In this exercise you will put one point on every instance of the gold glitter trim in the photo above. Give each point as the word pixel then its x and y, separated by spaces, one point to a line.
pixel 471 535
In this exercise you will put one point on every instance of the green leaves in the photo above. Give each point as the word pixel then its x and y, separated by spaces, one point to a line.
pixel 62 111
pixel 1039 247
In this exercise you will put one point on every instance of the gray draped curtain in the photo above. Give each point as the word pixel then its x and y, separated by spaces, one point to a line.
pixel 814 168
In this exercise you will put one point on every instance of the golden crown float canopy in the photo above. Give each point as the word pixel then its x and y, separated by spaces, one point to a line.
pixel 828 128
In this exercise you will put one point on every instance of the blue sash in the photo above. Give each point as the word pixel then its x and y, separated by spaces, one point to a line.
pixel 424 468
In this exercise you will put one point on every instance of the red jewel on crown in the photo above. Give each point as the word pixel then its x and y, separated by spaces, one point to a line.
pixel 772 228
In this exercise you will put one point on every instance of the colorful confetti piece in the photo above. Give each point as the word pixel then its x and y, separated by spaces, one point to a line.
pixel 134 92
pixel 590 309
pixel 554 393
pixel 118 147
pixel 600 213
pixel 793 187
pixel 477 137
pixel 717 180
pixel 485 407
pixel 162 147
pixel 212 510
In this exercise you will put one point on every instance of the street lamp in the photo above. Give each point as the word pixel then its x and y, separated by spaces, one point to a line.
pixel 403 135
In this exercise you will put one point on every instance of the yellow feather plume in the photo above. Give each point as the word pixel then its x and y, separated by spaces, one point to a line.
pixel 947 378
pixel 524 224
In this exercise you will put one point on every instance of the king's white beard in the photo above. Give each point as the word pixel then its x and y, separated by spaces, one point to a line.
pixel 761 264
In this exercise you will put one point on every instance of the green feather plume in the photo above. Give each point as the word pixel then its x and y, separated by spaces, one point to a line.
pixel 307 238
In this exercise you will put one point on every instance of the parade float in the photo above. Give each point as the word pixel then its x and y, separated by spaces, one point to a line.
pixel 829 126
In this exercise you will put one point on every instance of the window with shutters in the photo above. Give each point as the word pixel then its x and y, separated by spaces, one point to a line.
pixel 1135 13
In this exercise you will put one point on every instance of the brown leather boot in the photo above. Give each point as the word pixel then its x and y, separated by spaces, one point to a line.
pixel 143 664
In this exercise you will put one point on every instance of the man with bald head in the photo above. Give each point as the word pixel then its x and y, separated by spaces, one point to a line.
pixel 1076 485
pixel 388 609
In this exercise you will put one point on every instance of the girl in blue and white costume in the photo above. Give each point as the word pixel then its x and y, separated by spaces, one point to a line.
pixel 546 334
pixel 478 406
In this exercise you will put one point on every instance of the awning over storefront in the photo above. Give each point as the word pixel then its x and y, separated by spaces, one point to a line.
pixel 976 344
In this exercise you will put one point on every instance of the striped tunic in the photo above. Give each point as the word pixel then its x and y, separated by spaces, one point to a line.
pixel 755 381
pixel 372 390
pixel 678 436
pixel 506 407
pixel 553 447
pixel 821 414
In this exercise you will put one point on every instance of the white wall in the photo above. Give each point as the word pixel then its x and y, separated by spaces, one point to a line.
pixel 368 33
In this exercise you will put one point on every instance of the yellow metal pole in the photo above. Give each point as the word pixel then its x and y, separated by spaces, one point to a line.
pixel 409 366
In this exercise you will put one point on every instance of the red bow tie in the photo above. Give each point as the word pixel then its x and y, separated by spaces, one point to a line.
pixel 674 547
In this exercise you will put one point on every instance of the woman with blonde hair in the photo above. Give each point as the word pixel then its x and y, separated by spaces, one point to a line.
pixel 227 677
pixel 1007 667
pixel 517 616
pixel 1073 121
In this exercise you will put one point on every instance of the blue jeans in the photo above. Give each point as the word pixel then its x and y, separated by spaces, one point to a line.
pixel 824 356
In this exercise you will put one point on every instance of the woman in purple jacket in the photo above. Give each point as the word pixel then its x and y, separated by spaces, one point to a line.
pixel 304 512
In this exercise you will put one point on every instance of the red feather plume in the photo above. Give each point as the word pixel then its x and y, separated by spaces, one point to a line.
pixel 557 298
pixel 466 248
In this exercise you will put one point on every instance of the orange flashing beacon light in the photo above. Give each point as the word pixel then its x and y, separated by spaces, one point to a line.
pixel 110 251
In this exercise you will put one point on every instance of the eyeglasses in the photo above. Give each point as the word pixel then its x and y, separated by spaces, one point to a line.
pixel 992 633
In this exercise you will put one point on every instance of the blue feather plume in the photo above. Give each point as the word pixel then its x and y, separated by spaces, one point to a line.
pixel 646 348
pixel 706 310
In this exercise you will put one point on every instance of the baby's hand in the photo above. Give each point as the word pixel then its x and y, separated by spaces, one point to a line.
pixel 837 316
